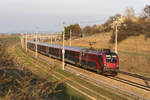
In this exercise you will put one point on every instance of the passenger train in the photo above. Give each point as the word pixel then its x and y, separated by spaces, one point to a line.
pixel 102 61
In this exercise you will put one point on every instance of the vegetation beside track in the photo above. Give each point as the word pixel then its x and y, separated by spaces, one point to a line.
pixel 16 82
pixel 45 69
pixel 19 83
pixel 36 66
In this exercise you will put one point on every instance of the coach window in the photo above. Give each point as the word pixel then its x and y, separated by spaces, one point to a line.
pixel 50 50
pixel 101 58
pixel 92 64
pixel 67 54
pixel 71 55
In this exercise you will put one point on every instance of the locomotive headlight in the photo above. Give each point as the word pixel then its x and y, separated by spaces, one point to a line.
pixel 105 66
pixel 117 66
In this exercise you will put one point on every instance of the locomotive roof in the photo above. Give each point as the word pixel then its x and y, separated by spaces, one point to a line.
pixel 71 48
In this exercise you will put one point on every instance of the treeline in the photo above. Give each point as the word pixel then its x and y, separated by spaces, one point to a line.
pixel 132 26
pixel 77 31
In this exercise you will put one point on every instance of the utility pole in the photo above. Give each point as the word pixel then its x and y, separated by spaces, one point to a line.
pixel 115 25
pixel 39 37
pixel 70 36
pixel 51 38
pixel 36 44
pixel 22 40
pixel 116 39
pixel 26 40
pixel 55 38
pixel 63 50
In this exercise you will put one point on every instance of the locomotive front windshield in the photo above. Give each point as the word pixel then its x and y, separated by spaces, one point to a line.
pixel 111 58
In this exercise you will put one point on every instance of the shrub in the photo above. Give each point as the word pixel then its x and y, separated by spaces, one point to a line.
pixel 129 28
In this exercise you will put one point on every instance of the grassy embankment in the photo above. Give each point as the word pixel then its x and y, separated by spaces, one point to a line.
pixel 20 83
pixel 134 52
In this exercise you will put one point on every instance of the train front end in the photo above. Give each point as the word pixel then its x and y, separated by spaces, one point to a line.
pixel 111 63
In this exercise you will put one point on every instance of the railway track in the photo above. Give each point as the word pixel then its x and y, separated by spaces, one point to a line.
pixel 68 81
pixel 103 84
pixel 135 75
pixel 144 78
pixel 109 86
pixel 141 86
pixel 98 82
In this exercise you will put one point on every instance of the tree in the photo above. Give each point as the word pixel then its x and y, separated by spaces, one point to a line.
pixel 146 12
pixel 67 32
pixel 130 12
pixel 87 29
pixel 128 28
pixel 108 23
pixel 75 29
pixel 113 18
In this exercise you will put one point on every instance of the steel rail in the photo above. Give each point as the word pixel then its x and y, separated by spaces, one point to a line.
pixel 38 64
pixel 130 83
pixel 99 82
pixel 135 75
pixel 106 85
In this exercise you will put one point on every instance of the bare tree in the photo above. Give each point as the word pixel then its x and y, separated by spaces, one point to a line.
pixel 129 12
pixel 146 11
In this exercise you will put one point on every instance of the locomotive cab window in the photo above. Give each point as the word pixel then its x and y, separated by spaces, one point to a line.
pixel 111 58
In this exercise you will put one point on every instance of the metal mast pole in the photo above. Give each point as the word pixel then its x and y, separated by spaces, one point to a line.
pixel 70 36
pixel 26 41
pixel 22 40
pixel 116 40
pixel 63 50
pixel 36 44
pixel 51 38
pixel 115 26
pixel 39 37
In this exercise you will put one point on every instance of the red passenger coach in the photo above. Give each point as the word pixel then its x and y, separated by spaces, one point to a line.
pixel 104 61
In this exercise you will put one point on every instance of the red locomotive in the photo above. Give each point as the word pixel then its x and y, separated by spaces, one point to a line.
pixel 105 61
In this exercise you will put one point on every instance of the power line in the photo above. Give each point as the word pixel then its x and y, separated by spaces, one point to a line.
pixel 86 22
pixel 67 23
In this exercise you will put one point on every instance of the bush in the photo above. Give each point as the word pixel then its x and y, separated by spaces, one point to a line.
pixel 90 30
pixel 132 28
pixel 147 35
pixel 75 29
pixel 121 36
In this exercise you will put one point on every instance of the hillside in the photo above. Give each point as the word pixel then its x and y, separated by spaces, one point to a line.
pixel 133 52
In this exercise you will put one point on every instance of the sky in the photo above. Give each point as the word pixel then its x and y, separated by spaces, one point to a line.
pixel 48 15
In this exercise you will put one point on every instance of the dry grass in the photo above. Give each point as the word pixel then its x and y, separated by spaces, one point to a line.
pixel 135 44
pixel 16 82
pixel 102 41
